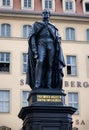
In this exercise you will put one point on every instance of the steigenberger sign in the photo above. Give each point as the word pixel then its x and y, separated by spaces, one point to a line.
pixel 76 84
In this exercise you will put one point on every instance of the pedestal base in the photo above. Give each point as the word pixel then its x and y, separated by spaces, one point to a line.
pixel 48 113
pixel 46 97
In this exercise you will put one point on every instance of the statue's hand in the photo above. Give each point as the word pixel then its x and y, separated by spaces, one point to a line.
pixel 36 55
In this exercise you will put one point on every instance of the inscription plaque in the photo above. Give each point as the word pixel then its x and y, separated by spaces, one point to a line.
pixel 49 98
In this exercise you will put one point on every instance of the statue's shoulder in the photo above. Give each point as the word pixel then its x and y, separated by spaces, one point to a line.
pixel 37 26
pixel 38 23
pixel 53 25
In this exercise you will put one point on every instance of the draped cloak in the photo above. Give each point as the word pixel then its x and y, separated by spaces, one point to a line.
pixel 58 62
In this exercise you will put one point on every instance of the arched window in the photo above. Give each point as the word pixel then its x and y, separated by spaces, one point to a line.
pixel 26 31
pixel 70 33
pixel 5 30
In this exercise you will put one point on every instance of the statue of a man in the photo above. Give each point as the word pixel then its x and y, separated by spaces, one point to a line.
pixel 45 57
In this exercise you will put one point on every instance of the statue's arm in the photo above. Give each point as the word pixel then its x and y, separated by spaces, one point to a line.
pixel 58 37
pixel 34 46
pixel 32 40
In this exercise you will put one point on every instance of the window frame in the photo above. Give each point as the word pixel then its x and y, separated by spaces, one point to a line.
pixel 5 30
pixel 84 8
pixel 73 92
pixel 6 6
pixel 70 10
pixel 4 61
pixel 7 2
pixel 8 111
pixel 26 29
pixel 27 8
pixel 71 65
pixel 53 5
pixel 70 33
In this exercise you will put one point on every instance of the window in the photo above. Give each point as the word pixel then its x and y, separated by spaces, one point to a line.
pixel 48 4
pixel 6 4
pixel 4 101
pixel 73 100
pixel 86 6
pixel 69 6
pixel 25 58
pixel 70 33
pixel 4 62
pixel 71 65
pixel 25 95
pixel 5 30
pixel 26 29
pixel 87 34
pixel 27 4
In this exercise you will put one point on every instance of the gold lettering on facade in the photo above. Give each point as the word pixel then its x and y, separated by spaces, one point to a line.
pixel 49 98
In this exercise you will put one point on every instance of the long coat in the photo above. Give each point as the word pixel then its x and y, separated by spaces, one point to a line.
pixel 58 63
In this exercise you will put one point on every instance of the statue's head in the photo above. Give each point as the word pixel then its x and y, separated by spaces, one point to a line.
pixel 46 14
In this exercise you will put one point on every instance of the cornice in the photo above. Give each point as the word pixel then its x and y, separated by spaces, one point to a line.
pixel 19 14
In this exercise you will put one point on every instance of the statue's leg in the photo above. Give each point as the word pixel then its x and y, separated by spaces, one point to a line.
pixel 39 65
pixel 50 63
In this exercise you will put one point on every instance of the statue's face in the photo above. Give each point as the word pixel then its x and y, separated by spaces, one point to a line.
pixel 46 15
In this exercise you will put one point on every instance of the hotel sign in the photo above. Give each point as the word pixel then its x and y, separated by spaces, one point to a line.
pixel 72 84
pixel 78 84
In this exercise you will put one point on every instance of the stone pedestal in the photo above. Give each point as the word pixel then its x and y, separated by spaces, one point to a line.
pixel 47 111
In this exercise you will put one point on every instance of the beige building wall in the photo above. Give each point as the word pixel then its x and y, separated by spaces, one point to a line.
pixel 16 45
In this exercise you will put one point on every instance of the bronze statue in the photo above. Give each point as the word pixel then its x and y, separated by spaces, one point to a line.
pixel 45 57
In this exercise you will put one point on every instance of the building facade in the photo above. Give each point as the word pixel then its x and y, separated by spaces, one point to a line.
pixel 71 17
